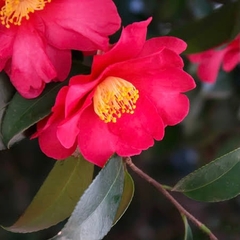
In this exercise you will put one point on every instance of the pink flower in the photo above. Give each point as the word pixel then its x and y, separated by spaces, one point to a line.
pixel 134 91
pixel 36 37
pixel 210 61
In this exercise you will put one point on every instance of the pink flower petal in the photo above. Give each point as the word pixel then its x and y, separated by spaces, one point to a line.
pixel 51 146
pixel 68 130
pixel 124 49
pixel 172 107
pixel 144 67
pixel 156 44
pixel 145 124
pixel 81 25
pixel 80 86
pixel 6 41
pixel 155 72
pixel 95 141
pixel 231 59
pixel 126 150
pixel 61 60
pixel 209 67
pixel 28 72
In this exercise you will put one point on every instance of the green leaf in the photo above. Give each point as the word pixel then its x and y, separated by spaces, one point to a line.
pixel 127 196
pixel 188 232
pixel 95 212
pixel 220 26
pixel 57 197
pixel 23 113
pixel 6 94
pixel 217 181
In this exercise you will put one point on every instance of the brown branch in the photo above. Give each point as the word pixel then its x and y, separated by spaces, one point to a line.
pixel 161 189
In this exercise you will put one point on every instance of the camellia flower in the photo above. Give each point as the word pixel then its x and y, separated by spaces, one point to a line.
pixel 133 92
pixel 36 37
pixel 210 61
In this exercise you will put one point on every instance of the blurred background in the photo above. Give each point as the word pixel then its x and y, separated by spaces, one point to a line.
pixel 211 129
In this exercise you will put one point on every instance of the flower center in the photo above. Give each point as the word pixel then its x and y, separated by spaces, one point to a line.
pixel 15 10
pixel 113 97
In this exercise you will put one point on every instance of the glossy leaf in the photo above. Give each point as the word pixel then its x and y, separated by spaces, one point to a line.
pixel 57 197
pixel 6 94
pixel 95 212
pixel 187 230
pixel 221 26
pixel 128 192
pixel 23 113
pixel 217 181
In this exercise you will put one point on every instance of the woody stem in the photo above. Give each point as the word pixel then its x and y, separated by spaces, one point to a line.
pixel 162 190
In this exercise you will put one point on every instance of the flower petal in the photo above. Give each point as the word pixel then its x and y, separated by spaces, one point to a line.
pixel 128 46
pixel 154 70
pixel 172 107
pixel 79 87
pixel 82 25
pixel 209 64
pixel 6 40
pixel 145 124
pixel 29 73
pixel 126 150
pixel 155 44
pixel 231 59
pixel 61 60
pixel 68 130
pixel 95 141
pixel 163 90
pixel 51 146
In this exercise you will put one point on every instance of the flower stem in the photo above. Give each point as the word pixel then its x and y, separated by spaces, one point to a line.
pixel 163 190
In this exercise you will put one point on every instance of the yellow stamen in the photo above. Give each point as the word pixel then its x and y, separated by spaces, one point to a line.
pixel 113 97
pixel 15 10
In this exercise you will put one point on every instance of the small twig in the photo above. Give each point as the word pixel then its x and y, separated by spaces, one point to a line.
pixel 162 189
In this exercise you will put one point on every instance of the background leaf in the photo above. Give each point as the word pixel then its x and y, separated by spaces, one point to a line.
pixel 221 26
pixel 217 181
pixel 188 232
pixel 57 197
pixel 128 192
pixel 6 94
pixel 23 113
pixel 95 212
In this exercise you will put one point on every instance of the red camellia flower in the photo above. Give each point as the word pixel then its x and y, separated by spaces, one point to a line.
pixel 210 61
pixel 36 37
pixel 134 91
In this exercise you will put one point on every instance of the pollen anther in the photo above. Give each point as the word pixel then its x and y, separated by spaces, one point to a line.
pixel 113 97
pixel 15 10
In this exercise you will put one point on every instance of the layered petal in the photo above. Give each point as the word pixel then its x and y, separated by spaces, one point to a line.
pixel 83 25
pixel 80 86
pixel 6 46
pixel 156 44
pixel 36 47
pixel 231 59
pixel 209 64
pixel 95 141
pixel 68 130
pixel 145 124
pixel 31 67
pixel 129 46
pixel 61 61
pixel 50 144
pixel 156 70
pixel 164 92
pixel 211 60
pixel 124 105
